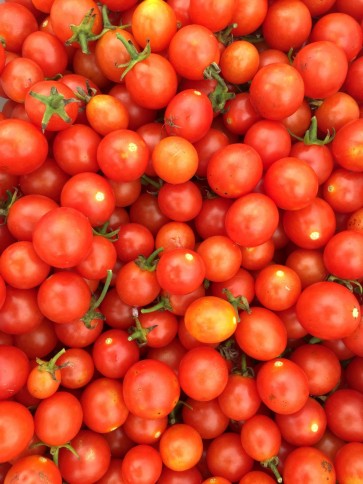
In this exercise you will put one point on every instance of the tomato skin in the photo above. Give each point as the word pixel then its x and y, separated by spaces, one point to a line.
pixel 348 462
pixel 210 319
pixel 261 334
pixel 141 464
pixel 135 286
pixel 113 354
pixel 305 427
pixel 277 91
pixel 189 114
pixel 328 310
pixel 234 170
pixel 20 311
pixel 65 412
pixel 103 405
pixel 33 468
pixel 326 59
pixel 347 145
pixel 251 220
pixel 123 155
pixel 14 376
pixel 181 447
pixel 239 399
pixel 17 22
pixel 151 389
pixel 180 271
pixel 346 246
pixel 291 183
pixel 93 458
pixel 282 385
pixel 260 437
pixel 203 373
pixel 192 49
pixel 344 414
pixel 307 464
pixel 23 148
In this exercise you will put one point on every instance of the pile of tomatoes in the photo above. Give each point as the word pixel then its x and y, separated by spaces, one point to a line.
pixel 181 241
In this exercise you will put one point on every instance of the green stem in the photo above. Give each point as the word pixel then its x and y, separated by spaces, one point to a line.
pixel 272 464
pixel 311 135
pixel 102 231
pixel 135 56
pixel 238 302
pixel 139 333
pixel 92 313
pixel 162 305
pixel 51 366
pixel 220 95
pixel 147 180
pixel 225 36
pixel 150 263
pixel 55 103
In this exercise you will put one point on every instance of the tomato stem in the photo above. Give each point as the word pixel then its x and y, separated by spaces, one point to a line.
pixel 92 314
pixel 150 263
pixel 7 204
pixel 139 333
pixel 135 56
pixel 311 135
pixel 221 94
pixel 352 284
pixel 102 231
pixel 272 464
pixel 55 103
pixel 163 304
pixel 225 36
pixel 51 366
pixel 147 180
pixel 238 302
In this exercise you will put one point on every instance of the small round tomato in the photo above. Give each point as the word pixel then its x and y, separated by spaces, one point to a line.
pixel 151 389
pixel 34 468
pixel 142 461
pixel 282 385
pixel 203 373
pixel 277 91
pixel 347 145
pixel 181 447
pixel 210 319
pixel 252 219
pixel 63 237
pixel 123 155
pixel 308 463
pixel 328 310
pixel 23 148
pixel 189 115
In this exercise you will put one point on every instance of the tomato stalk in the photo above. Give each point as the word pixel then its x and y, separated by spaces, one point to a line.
pixel 353 285
pixel 139 333
pixel 162 305
pixel 239 302
pixel 311 135
pixel 50 366
pixel 83 34
pixel 150 263
pixel 174 415
pixel 6 204
pixel 112 236
pixel 92 313
pixel 221 94
pixel 54 450
pixel 272 464
pixel 225 36
pixel 135 55
pixel 55 103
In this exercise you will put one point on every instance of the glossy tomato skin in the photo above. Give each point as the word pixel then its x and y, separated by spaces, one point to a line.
pixel 151 389
pixel 348 462
pixel 92 460
pixel 23 148
pixel 251 219
pixel 277 91
pixel 307 464
pixel 328 310
pixel 344 414
pixel 283 386
pixel 15 437
pixel 34 467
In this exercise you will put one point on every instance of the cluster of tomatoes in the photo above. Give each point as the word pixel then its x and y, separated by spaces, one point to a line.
pixel 181 241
